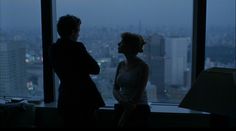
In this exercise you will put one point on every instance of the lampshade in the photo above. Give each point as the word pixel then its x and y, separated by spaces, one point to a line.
pixel 214 91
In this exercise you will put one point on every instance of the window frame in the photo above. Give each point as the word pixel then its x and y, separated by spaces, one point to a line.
pixel 48 14
pixel 198 37
pixel 47 41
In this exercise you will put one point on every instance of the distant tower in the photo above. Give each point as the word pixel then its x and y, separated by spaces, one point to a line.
pixel 0 11
pixel 168 62
pixel 12 69
pixel 154 55
pixel 176 61
pixel 139 27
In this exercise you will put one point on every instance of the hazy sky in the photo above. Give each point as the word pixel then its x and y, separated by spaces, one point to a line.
pixel 26 13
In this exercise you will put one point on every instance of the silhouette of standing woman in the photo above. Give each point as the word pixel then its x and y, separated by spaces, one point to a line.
pixel 78 95
pixel 130 83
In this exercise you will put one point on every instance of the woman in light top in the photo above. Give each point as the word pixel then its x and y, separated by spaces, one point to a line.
pixel 131 78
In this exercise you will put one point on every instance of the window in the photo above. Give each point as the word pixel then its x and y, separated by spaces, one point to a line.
pixel 166 26
pixel 21 65
pixel 220 34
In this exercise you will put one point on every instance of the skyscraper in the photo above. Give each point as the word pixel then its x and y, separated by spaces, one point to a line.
pixel 154 55
pixel 12 69
pixel 168 62
pixel 176 57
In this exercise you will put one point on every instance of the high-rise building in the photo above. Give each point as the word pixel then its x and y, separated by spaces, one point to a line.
pixel 154 55
pixel 177 70
pixel 168 62
pixel 12 69
pixel 176 64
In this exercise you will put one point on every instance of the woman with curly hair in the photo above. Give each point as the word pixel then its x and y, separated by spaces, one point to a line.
pixel 131 78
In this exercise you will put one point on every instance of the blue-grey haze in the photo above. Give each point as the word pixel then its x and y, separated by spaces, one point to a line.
pixel 26 13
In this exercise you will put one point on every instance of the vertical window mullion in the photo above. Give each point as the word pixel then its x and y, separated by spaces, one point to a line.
pixel 198 39
pixel 47 39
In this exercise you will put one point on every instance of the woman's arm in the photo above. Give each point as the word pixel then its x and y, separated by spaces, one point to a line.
pixel 141 84
pixel 116 87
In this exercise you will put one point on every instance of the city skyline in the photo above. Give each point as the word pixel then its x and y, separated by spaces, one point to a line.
pixel 108 57
pixel 170 62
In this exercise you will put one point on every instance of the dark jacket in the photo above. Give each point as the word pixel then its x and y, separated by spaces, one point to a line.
pixel 73 65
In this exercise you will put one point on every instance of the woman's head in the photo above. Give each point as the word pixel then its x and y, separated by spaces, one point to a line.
pixel 131 43
pixel 68 26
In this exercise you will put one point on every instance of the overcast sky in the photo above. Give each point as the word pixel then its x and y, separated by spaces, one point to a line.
pixel 26 13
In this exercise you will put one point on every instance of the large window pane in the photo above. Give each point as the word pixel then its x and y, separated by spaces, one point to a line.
pixel 21 63
pixel 166 26
pixel 220 35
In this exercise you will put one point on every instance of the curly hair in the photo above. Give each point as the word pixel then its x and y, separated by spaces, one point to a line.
pixel 133 41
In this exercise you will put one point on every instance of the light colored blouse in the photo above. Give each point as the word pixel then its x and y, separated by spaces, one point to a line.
pixel 128 81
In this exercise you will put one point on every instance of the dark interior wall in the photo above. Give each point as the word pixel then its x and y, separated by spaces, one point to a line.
pixel 162 120
pixel 48 117
pixel 17 115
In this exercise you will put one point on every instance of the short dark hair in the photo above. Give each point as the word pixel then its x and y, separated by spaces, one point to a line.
pixel 67 24
pixel 134 41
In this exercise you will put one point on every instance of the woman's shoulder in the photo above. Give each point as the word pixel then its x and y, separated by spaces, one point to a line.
pixel 143 64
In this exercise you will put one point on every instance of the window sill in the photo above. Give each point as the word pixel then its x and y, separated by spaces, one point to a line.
pixel 46 105
pixel 155 108
pixel 165 108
